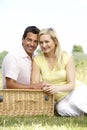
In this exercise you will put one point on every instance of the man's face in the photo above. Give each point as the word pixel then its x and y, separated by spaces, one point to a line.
pixel 30 43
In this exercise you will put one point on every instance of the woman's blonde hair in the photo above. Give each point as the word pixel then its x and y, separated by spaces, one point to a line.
pixel 53 35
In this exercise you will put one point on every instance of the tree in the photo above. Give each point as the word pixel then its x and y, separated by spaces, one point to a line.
pixel 2 55
pixel 39 50
pixel 77 48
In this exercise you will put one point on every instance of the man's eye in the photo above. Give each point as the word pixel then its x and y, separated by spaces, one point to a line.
pixel 36 42
pixel 29 40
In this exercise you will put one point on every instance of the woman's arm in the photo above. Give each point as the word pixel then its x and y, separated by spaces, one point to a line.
pixel 70 73
pixel 13 84
pixel 35 76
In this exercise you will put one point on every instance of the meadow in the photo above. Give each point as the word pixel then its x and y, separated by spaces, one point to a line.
pixel 49 122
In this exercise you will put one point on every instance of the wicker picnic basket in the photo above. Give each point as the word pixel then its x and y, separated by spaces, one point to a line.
pixel 26 102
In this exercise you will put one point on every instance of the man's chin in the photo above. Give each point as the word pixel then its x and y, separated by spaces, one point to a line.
pixel 30 52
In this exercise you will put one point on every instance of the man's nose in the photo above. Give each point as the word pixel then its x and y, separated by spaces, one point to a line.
pixel 32 43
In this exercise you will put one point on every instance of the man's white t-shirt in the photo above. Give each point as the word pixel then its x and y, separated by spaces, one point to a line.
pixel 17 65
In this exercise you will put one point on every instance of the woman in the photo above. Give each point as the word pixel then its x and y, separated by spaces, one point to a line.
pixel 57 69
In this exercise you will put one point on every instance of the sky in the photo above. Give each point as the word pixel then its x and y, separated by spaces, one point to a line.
pixel 67 17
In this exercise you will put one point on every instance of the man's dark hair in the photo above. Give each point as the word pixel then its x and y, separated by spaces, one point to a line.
pixel 32 29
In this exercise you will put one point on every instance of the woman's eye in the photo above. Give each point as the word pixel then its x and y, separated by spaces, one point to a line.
pixel 46 41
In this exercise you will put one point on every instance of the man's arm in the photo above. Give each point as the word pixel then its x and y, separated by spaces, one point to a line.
pixel 12 84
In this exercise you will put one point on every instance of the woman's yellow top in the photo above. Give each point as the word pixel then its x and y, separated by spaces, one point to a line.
pixel 57 76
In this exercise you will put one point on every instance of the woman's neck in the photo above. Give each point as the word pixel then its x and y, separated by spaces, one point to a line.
pixel 49 55
pixel 51 60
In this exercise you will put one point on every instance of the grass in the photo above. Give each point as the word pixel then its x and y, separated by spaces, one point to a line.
pixel 43 123
pixel 81 71
pixel 48 122
pixel 0 79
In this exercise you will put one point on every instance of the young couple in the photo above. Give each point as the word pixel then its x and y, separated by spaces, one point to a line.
pixel 53 70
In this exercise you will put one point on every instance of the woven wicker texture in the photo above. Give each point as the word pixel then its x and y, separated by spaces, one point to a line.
pixel 26 102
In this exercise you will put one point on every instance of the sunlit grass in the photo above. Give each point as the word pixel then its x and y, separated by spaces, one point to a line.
pixel 0 79
pixel 43 123
pixel 40 127
pixel 81 71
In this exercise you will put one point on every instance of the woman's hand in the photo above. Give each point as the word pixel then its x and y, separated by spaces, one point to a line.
pixel 52 89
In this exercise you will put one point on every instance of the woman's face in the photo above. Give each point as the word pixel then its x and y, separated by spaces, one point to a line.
pixel 47 44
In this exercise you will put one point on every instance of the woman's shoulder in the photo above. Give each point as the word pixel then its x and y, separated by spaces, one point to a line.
pixel 39 57
pixel 66 55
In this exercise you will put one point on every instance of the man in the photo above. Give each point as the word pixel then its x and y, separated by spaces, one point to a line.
pixel 16 66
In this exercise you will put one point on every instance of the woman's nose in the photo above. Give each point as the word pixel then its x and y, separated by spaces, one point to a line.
pixel 44 44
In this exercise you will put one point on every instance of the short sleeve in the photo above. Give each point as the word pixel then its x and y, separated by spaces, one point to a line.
pixel 10 67
pixel 65 58
pixel 38 60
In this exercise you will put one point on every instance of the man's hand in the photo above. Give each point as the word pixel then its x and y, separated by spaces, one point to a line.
pixel 39 85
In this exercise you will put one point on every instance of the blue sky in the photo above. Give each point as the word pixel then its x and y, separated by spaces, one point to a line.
pixel 68 17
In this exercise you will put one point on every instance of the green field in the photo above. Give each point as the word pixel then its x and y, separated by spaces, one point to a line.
pixel 43 123
pixel 81 71
pixel 0 79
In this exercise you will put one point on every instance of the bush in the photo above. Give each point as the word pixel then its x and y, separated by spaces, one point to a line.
pixel 2 55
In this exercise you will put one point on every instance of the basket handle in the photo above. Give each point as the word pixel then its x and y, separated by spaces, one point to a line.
pixel 1 98
pixel 46 98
